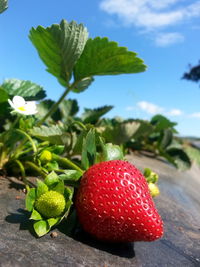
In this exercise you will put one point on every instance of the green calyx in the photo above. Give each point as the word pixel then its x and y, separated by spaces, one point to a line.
pixel 150 176
pixel 50 204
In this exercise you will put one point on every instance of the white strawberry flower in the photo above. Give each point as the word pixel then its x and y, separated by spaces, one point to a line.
pixel 21 106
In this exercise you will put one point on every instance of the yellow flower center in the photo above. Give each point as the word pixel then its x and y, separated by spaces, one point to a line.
pixel 22 108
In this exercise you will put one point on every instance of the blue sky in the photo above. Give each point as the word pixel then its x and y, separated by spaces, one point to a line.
pixel 165 34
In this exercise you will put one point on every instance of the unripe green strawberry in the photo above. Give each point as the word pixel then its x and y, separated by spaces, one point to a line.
pixel 154 190
pixel 114 204
pixel 45 156
pixel 51 204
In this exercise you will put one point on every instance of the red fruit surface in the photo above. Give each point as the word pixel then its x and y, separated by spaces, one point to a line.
pixel 114 204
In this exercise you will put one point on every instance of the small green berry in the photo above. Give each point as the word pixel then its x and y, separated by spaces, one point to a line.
pixel 154 190
pixel 51 204
pixel 45 156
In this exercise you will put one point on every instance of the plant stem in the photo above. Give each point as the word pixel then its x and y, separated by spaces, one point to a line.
pixel 66 162
pixel 23 174
pixel 29 138
pixel 54 107
pixel 35 168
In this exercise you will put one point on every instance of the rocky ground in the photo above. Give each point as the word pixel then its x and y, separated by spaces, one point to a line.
pixel 179 205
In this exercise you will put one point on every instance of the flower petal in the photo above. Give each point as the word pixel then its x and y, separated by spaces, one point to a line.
pixel 11 103
pixel 18 101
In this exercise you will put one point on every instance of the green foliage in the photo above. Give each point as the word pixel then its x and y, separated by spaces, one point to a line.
pixel 120 132
pixel 104 57
pixel 30 199
pixel 26 89
pixel 3 5
pixel 57 145
pixel 111 152
pixel 82 85
pixel 88 149
pixel 68 108
pixel 60 46
pixel 41 227
pixel 193 153
pixel 3 95
pixel 55 134
pixel 93 115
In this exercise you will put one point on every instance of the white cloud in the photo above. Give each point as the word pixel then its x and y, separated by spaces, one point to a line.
pixel 153 14
pixel 152 109
pixel 165 39
pixel 195 115
pixel 174 112
pixel 149 107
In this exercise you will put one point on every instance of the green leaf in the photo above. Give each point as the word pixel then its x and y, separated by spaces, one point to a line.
pixel 59 187
pixel 26 89
pixel 41 227
pixel 166 138
pixel 68 108
pixel 55 134
pixel 70 175
pixel 93 115
pixel 51 166
pixel 35 215
pixel 69 192
pixel 161 123
pixel 51 179
pixel 53 221
pixel 3 95
pixel 121 132
pixel 104 57
pixel 112 152
pixel 193 154
pixel 144 129
pixel 179 158
pixel 43 108
pixel 57 149
pixel 60 46
pixel 41 188
pixel 30 199
pixel 26 123
pixel 83 84
pixel 3 5
pixel 88 150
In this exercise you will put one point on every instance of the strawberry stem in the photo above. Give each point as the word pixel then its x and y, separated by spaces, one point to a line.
pixel 66 162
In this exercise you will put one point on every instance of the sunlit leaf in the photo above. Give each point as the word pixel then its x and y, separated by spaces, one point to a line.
pixel 30 199
pixel 26 89
pixel 104 57
pixel 70 175
pixel 41 188
pixel 35 215
pixel 55 134
pixel 41 227
pixel 60 46
pixel 51 179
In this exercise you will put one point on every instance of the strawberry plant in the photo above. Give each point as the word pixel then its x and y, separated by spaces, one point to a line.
pixel 79 160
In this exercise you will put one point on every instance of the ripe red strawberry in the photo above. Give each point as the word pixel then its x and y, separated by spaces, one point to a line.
pixel 114 204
